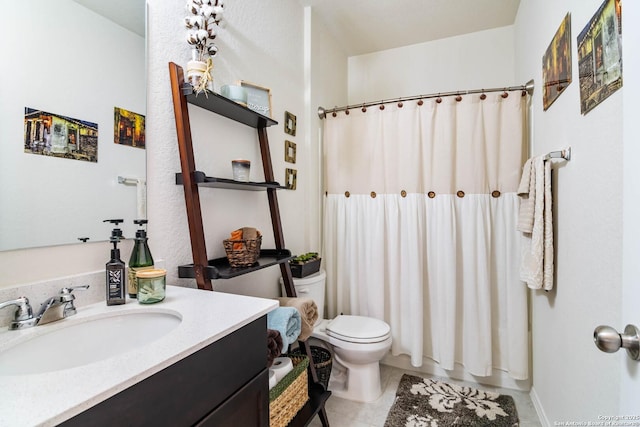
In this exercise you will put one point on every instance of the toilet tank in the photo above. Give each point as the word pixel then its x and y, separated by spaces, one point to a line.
pixel 313 287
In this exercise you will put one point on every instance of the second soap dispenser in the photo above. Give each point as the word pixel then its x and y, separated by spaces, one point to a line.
pixel 116 280
pixel 141 258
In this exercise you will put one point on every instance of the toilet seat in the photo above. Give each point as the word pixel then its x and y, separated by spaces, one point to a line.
pixel 358 329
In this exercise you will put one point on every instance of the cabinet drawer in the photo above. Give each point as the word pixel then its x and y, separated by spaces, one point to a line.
pixel 248 407
pixel 183 393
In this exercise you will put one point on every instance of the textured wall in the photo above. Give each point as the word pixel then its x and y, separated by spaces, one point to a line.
pixel 261 43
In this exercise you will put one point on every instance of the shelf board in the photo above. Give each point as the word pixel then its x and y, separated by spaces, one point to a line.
pixel 208 181
pixel 317 397
pixel 219 268
pixel 225 107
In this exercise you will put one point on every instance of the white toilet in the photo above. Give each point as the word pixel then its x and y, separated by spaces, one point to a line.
pixel 358 344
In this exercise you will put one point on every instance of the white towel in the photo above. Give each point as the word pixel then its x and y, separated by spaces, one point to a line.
pixel 536 267
pixel 526 190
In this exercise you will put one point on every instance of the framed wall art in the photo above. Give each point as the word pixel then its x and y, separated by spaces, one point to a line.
pixel 289 123
pixel 291 178
pixel 556 64
pixel 128 128
pixel 258 98
pixel 289 152
pixel 600 55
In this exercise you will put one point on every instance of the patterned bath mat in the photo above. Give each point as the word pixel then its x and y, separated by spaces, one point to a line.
pixel 423 402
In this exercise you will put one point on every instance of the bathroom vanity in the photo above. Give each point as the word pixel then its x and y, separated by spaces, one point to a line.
pixel 209 370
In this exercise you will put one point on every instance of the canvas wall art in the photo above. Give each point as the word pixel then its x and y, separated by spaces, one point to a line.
pixel 600 55
pixel 128 128
pixel 556 64
pixel 56 135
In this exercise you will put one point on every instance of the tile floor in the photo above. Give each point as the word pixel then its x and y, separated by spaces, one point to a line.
pixel 344 413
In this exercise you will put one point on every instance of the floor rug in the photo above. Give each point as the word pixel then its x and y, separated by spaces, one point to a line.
pixel 424 402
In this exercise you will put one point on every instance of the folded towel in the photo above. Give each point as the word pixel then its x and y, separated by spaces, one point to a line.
pixel 244 233
pixel 536 267
pixel 308 312
pixel 526 191
pixel 287 321
pixel 274 345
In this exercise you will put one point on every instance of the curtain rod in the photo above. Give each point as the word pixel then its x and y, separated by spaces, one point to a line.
pixel 528 87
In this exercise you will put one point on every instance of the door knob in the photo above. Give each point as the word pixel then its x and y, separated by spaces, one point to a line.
pixel 609 340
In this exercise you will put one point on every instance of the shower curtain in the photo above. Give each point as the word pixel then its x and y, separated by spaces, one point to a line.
pixel 420 227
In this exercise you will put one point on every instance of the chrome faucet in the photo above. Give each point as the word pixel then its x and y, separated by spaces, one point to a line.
pixel 53 309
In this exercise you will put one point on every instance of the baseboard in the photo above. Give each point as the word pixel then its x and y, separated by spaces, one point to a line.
pixel 544 421
pixel 498 379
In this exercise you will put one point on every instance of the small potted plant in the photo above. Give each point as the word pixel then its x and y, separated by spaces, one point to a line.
pixel 305 264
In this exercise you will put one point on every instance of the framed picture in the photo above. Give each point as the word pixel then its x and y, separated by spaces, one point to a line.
pixel 55 135
pixel 289 151
pixel 600 55
pixel 289 123
pixel 258 98
pixel 291 176
pixel 128 128
pixel 556 64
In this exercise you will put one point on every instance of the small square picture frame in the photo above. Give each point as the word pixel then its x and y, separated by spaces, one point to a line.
pixel 289 151
pixel 291 178
pixel 289 123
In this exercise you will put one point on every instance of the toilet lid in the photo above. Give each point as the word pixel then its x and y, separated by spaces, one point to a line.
pixel 358 329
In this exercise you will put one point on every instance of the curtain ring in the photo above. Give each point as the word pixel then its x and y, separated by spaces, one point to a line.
pixel 431 194
pixel 346 111
pixel 382 106
pixel 483 96
pixel 495 194
pixel 373 194
pixel 347 194
pixel 400 104
pixel 364 109
pixel 504 94
pixel 438 99
pixel 458 98
pixel 420 102
pixel 460 194
pixel 403 193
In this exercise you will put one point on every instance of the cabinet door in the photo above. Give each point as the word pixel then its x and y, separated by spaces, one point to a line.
pixel 248 407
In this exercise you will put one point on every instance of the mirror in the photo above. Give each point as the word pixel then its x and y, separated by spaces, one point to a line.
pixel 72 154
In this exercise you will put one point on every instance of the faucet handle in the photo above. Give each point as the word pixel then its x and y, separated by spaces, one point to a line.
pixel 67 296
pixel 23 317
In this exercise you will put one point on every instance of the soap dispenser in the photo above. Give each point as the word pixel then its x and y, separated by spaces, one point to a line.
pixel 141 258
pixel 115 277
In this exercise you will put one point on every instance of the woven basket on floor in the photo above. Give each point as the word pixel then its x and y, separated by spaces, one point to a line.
pixel 290 394
pixel 322 362
pixel 242 253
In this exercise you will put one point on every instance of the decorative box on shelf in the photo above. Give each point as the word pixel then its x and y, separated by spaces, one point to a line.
pixel 305 265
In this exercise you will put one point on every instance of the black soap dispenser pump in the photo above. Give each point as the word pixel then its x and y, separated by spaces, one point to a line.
pixel 115 277
pixel 141 258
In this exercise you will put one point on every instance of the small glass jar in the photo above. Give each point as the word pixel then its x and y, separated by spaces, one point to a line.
pixel 152 285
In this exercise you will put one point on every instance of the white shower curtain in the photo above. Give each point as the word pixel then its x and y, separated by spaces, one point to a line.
pixel 420 227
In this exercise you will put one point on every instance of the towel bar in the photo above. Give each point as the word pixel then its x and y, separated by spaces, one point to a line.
pixel 562 154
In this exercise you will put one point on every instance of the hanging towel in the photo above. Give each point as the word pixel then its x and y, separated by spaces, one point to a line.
pixel 536 222
pixel 308 313
pixel 285 320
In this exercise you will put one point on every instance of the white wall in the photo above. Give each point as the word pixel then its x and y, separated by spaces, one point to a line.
pixel 472 61
pixel 572 381
pixel 69 61
pixel 261 43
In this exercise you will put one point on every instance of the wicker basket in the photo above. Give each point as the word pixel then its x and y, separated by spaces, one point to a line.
pixel 242 253
pixel 322 362
pixel 289 396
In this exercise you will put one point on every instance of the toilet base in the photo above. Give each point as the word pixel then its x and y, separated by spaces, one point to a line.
pixel 360 383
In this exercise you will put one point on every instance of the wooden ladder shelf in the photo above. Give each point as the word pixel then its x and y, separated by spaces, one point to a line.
pixel 204 270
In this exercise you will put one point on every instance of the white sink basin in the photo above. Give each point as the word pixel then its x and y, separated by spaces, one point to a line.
pixel 86 341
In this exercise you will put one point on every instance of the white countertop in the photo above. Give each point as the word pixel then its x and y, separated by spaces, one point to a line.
pixel 49 398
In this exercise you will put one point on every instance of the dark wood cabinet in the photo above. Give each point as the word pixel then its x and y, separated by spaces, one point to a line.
pixel 223 384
